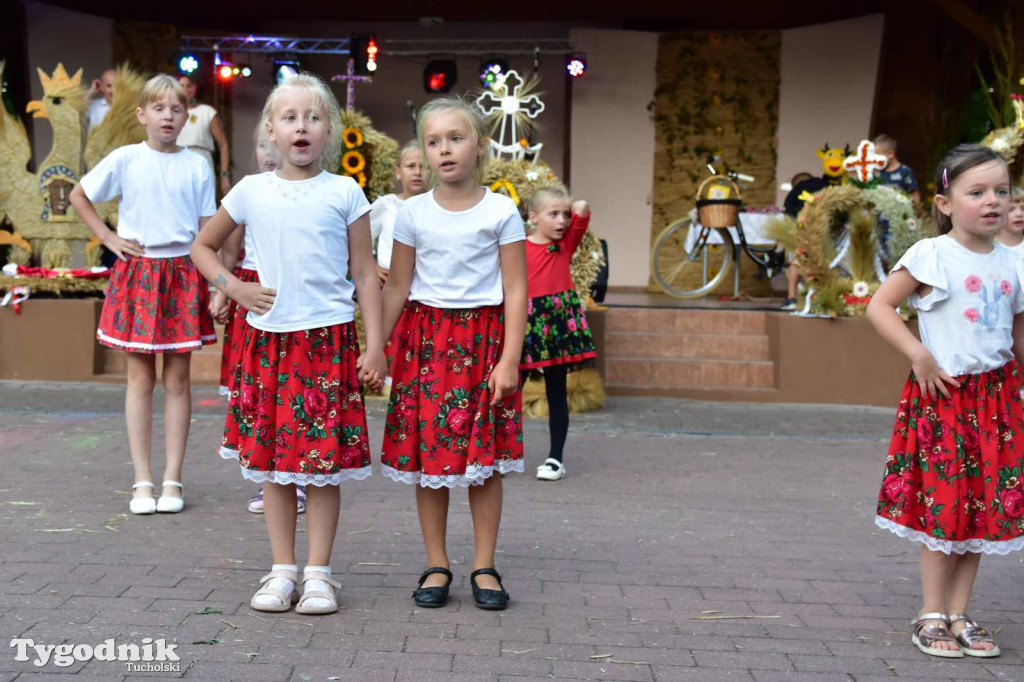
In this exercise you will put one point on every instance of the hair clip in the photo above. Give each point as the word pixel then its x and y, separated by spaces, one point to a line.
pixel 945 178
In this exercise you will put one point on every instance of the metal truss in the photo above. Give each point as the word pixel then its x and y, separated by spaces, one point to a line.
pixel 399 48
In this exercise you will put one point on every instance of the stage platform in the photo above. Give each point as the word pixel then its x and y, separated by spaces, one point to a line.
pixel 648 344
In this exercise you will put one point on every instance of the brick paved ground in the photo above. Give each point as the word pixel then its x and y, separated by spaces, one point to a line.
pixel 672 509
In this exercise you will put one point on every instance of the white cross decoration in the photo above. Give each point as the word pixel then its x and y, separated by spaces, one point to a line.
pixel 351 79
pixel 865 164
pixel 504 98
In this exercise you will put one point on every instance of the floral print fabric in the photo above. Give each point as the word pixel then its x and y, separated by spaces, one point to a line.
pixel 954 477
pixel 557 332
pixel 440 428
pixel 296 412
pixel 156 305
pixel 234 331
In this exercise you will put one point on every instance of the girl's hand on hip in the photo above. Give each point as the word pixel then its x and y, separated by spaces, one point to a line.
pixel 930 377
pixel 503 381
pixel 254 297
pixel 123 248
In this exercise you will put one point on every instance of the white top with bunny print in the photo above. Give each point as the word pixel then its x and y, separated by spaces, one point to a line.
pixel 966 320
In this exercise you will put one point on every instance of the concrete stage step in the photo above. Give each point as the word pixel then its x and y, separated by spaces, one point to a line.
pixel 680 350
pixel 205 363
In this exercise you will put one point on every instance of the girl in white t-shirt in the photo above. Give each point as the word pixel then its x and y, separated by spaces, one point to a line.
pixel 952 478
pixel 409 175
pixel 296 411
pixel 458 281
pixel 157 301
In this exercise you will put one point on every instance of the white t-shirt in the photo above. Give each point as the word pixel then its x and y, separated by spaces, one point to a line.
pixel 299 235
pixel 249 259
pixel 382 226
pixel 457 262
pixel 163 196
pixel 196 134
pixel 1018 250
pixel 96 112
pixel 966 321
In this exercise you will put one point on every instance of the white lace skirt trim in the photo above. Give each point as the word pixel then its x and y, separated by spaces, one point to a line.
pixel 475 475
pixel 138 345
pixel 288 477
pixel 224 390
pixel 974 546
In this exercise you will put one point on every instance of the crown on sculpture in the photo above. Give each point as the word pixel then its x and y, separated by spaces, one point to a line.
pixel 60 84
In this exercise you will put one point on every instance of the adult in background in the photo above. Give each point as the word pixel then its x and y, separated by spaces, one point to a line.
pixel 202 130
pixel 99 97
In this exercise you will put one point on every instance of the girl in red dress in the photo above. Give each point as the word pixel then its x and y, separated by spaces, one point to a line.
pixel 953 478
pixel 458 281
pixel 157 300
pixel 296 413
pixel 558 338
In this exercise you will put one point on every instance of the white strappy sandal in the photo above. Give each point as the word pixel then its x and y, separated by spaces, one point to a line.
pixel 551 470
pixel 143 505
pixel 930 628
pixel 171 505
pixel 971 635
pixel 330 596
pixel 266 590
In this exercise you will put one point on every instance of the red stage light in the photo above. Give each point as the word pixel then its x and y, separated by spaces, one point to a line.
pixel 440 75
pixel 225 72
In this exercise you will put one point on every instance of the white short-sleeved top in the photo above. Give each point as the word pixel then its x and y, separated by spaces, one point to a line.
pixel 457 261
pixel 383 212
pixel 163 196
pixel 249 257
pixel 298 231
pixel 966 320
pixel 1018 250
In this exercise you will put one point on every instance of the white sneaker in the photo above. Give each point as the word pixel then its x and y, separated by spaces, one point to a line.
pixel 550 470
pixel 171 505
pixel 142 505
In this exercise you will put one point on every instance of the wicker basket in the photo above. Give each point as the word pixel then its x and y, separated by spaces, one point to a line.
pixel 718 202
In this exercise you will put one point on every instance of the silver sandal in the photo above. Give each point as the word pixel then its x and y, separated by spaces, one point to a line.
pixel 971 635
pixel 930 628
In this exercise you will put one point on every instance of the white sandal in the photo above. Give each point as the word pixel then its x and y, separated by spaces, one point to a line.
pixel 171 505
pixel 143 505
pixel 266 590
pixel 551 470
pixel 330 596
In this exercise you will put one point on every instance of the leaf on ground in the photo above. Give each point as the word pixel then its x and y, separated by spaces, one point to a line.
pixel 598 657
pixel 209 641
pixel 207 610
pixel 230 625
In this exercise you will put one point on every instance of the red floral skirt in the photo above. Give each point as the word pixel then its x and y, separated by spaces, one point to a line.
pixel 441 430
pixel 296 412
pixel 557 332
pixel 954 477
pixel 156 305
pixel 234 331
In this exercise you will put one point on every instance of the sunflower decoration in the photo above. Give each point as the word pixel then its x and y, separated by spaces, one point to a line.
pixel 367 155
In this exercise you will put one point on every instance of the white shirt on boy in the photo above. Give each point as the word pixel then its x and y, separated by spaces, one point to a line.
pixel 299 234
pixel 457 261
pixel 163 196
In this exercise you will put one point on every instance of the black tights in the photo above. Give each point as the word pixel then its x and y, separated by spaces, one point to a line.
pixel 558 407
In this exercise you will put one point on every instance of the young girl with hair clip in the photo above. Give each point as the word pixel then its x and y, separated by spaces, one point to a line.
pixel 157 300
pixel 952 478
pixel 558 338
pixel 296 412
pixel 458 285
pixel 409 176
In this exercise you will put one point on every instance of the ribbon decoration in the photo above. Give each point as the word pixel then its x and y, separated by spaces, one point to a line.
pixel 14 298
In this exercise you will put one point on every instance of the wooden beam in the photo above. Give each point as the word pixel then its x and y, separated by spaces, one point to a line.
pixel 969 19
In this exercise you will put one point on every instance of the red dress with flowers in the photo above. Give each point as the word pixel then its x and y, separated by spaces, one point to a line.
pixel 441 430
pixel 557 332
pixel 296 413
pixel 954 476
pixel 156 305
pixel 234 331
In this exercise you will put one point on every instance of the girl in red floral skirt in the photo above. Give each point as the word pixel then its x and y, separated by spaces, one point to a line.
pixel 296 413
pixel 157 300
pixel 557 336
pixel 953 478
pixel 455 412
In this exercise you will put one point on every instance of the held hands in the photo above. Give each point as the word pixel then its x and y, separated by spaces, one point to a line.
pixel 219 307
pixel 371 367
pixel 930 376
pixel 225 185
pixel 504 381
pixel 123 248
pixel 254 297
pixel 382 275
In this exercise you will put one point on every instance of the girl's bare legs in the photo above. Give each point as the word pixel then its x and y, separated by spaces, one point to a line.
pixel 280 512
pixel 936 579
pixel 432 507
pixel 323 504
pixel 138 413
pixel 485 505
pixel 960 585
pixel 792 279
pixel 177 414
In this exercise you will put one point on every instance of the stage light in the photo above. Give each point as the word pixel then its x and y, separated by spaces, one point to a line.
pixel 225 72
pixel 285 69
pixel 364 51
pixel 490 70
pixel 439 75
pixel 188 64
pixel 246 72
pixel 576 65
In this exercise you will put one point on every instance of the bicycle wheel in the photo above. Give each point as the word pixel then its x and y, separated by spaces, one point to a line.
pixel 690 271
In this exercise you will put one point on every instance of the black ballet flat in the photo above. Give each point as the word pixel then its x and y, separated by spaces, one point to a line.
pixel 432 597
pixel 490 600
